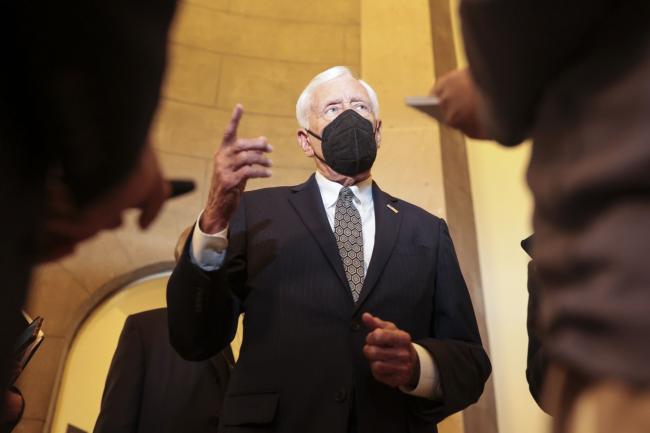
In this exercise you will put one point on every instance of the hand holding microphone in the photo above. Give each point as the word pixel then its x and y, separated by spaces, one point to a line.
pixel 66 224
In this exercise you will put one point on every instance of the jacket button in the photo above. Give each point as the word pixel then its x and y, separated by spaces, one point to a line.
pixel 341 395
pixel 355 326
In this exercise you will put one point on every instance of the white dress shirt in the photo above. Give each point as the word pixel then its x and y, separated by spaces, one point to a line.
pixel 208 252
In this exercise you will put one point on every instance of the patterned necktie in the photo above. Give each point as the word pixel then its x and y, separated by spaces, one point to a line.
pixel 349 237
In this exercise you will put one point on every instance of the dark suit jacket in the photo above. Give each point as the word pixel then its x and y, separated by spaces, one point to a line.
pixel 573 76
pixel 151 389
pixel 301 367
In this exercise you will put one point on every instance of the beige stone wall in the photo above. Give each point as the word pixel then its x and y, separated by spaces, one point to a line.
pixel 396 60
pixel 257 52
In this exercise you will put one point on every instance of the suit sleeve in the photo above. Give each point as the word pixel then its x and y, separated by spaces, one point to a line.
pixel 120 407
pixel 455 342
pixel 516 47
pixel 203 307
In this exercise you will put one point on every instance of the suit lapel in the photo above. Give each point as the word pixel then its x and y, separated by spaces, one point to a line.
pixel 307 202
pixel 388 219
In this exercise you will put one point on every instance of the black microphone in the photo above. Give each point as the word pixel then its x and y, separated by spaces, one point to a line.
pixel 181 187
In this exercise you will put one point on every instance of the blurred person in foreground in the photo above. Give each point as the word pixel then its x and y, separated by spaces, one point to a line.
pixel 574 77
pixel 357 317
pixel 78 91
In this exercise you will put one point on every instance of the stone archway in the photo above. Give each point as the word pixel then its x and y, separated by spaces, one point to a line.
pixel 77 384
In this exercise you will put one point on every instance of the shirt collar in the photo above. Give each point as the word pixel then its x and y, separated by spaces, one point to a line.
pixel 329 191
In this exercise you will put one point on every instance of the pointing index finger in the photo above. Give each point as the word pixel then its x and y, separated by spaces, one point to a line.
pixel 230 133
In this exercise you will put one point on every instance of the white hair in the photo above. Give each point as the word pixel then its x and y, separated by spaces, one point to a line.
pixel 303 106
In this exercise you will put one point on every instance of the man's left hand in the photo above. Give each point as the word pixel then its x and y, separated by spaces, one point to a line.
pixel 390 352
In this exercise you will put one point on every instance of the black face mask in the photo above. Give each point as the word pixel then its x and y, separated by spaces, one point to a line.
pixel 348 143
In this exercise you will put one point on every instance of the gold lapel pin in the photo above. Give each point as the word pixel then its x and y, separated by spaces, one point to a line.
pixel 392 208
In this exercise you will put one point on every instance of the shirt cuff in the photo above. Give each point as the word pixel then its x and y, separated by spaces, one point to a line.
pixel 208 251
pixel 429 382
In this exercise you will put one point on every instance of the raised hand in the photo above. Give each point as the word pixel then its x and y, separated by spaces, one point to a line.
pixel 390 352
pixel 460 100
pixel 236 161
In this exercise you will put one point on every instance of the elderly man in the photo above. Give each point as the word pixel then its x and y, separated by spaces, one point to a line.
pixel 357 317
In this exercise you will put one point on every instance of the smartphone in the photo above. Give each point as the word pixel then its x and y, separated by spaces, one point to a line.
pixel 427 104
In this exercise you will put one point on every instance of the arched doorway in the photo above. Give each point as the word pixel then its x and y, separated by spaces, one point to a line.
pixel 81 379
pixel 92 342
